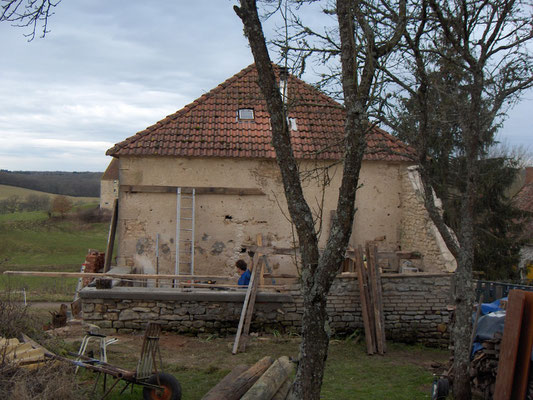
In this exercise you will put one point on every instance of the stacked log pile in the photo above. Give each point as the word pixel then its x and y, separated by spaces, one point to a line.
pixel 484 367
pixel 268 379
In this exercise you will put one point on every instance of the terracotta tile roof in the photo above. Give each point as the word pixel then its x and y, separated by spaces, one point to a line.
pixel 209 126
pixel 111 173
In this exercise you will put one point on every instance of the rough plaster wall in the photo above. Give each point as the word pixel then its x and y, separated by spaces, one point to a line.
pixel 226 225
pixel 418 232
pixel 378 204
pixel 108 193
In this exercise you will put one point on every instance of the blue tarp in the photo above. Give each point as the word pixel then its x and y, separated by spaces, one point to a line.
pixel 491 307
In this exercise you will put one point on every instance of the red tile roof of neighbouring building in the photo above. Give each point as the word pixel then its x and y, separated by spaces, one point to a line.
pixel 209 127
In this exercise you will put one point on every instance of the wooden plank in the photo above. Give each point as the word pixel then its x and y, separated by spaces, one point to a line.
pixel 227 381
pixel 259 241
pixel 374 285
pixel 198 190
pixel 118 276
pixel 236 389
pixel 251 303
pixel 284 276
pixel 525 345
pixel 272 250
pixel 358 254
pixel 245 306
pixel 111 237
pixel 509 345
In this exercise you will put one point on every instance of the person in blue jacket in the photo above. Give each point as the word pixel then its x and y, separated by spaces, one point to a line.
pixel 244 272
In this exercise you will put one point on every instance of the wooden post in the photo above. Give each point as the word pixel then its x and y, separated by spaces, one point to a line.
pixel 361 278
pixel 509 345
pixel 251 305
pixel 111 237
pixel 377 301
pixel 252 288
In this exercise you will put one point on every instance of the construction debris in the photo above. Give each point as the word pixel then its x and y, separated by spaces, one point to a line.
pixel 24 353
pixel 484 367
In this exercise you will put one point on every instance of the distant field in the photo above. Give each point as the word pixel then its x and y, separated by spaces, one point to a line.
pixel 7 191
pixel 32 241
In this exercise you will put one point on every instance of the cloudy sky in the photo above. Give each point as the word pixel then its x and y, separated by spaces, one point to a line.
pixel 109 69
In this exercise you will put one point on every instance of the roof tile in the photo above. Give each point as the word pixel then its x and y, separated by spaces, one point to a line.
pixel 209 126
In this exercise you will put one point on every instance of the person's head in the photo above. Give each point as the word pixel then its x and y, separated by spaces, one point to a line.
pixel 241 266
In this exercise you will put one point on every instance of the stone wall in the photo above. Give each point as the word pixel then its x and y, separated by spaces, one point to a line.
pixel 418 232
pixel 415 308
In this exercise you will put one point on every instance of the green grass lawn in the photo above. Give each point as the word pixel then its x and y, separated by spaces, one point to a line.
pixel 401 374
pixel 32 241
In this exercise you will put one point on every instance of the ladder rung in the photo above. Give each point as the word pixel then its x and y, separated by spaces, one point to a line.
pixel 185 229
pixel 188 219
pixel 187 197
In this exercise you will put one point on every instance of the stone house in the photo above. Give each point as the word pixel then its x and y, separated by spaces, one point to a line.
pixel 220 146
pixel 109 185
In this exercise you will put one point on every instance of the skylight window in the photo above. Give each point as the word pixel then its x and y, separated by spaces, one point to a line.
pixel 245 114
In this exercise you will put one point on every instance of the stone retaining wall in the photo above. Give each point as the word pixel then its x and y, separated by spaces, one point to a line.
pixel 415 308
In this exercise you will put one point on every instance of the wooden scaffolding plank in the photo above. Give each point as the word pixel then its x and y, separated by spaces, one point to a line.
pixel 198 190
pixel 252 288
pixel 525 344
pixel 111 237
pixel 509 346
pixel 375 284
pixel 251 305
pixel 358 258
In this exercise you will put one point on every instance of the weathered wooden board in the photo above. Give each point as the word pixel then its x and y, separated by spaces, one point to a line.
pixel 509 345
pixel 525 344
pixel 198 190
pixel 363 287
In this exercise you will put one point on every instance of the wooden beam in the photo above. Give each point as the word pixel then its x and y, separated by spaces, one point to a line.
pixel 140 277
pixel 363 288
pixel 377 301
pixel 198 190
pixel 235 389
pixel 111 237
pixel 251 303
pixel 226 383
pixel 268 384
pixel 116 276
pixel 509 345
pixel 287 251
pixel 252 287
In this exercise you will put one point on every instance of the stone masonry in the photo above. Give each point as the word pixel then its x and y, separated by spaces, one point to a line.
pixel 415 309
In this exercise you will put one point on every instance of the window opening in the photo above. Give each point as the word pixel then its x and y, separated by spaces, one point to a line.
pixel 245 114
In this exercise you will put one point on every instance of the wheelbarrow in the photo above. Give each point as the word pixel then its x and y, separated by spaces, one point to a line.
pixel 156 384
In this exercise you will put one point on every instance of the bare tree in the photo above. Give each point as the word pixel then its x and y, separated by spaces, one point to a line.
pixel 28 13
pixel 319 269
pixel 483 47
pixel 61 204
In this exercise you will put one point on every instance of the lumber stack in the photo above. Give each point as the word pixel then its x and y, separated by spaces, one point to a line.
pixel 23 354
pixel 268 379
pixel 369 280
pixel 484 367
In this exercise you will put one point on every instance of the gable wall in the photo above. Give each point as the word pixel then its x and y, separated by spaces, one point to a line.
pixel 227 224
